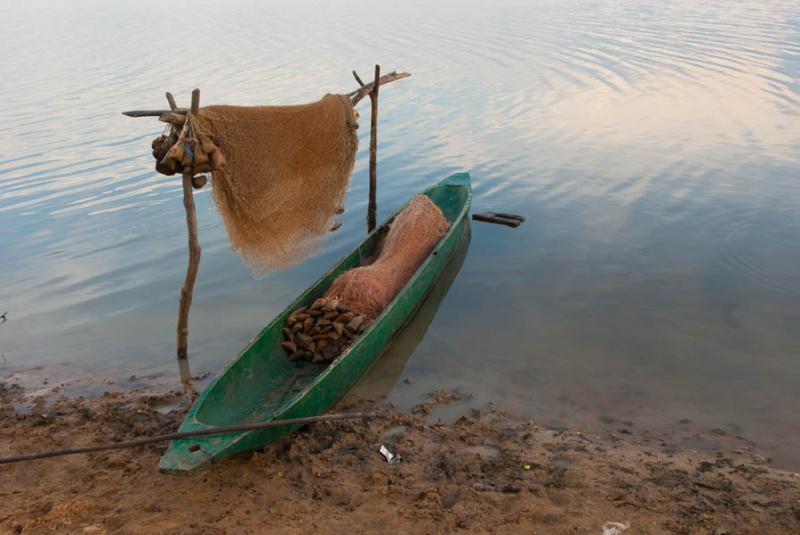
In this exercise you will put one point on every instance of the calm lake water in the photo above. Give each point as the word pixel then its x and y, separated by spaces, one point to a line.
pixel 653 147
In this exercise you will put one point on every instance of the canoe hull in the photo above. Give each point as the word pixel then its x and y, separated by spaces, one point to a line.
pixel 330 383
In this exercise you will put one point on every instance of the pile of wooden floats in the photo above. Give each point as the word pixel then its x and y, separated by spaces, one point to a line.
pixel 178 151
pixel 321 332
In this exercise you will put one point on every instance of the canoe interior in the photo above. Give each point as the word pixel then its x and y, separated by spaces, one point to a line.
pixel 261 381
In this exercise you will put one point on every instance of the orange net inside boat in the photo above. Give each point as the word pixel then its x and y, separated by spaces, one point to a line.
pixel 412 236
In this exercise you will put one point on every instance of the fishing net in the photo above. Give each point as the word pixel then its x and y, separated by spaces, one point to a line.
pixel 412 236
pixel 286 175
pixel 324 330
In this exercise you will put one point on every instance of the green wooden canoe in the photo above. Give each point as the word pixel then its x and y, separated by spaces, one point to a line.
pixel 260 384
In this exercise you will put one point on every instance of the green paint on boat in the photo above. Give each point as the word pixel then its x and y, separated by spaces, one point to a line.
pixel 260 384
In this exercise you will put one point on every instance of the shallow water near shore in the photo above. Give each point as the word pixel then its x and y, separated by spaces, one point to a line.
pixel 654 150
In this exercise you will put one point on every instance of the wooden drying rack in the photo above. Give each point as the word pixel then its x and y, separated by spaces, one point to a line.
pixel 177 116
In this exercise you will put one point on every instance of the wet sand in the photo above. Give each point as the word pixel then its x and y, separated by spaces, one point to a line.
pixel 485 472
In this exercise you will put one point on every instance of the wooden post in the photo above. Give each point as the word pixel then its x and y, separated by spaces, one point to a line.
pixel 373 152
pixel 194 251
pixel 185 374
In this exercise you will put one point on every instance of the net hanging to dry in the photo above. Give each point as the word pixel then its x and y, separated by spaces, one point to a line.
pixel 286 176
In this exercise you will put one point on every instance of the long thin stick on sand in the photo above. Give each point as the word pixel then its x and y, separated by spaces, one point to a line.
pixel 187 434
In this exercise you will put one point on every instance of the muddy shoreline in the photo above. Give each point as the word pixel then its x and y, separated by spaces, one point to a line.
pixel 486 472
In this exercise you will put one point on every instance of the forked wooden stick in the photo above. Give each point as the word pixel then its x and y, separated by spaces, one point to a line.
pixel 187 289
pixel 366 89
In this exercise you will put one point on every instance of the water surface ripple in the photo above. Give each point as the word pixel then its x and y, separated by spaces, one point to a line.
pixel 653 146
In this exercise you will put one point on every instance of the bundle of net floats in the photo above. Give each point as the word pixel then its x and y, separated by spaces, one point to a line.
pixel 188 148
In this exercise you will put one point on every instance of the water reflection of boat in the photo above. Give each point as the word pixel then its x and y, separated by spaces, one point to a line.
pixel 379 381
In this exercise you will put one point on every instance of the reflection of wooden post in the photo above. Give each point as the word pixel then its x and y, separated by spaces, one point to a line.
pixel 194 251
pixel 373 151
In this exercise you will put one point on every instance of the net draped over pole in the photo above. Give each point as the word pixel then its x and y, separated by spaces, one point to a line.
pixel 287 172
pixel 282 178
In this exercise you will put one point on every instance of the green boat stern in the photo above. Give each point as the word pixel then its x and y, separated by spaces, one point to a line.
pixel 185 456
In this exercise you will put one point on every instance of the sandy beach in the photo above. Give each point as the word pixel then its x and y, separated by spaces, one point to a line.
pixel 482 473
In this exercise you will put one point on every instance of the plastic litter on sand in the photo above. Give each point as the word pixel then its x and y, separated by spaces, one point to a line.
pixel 615 528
